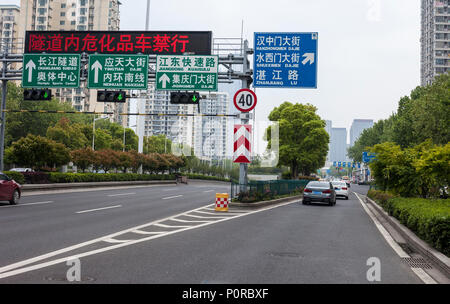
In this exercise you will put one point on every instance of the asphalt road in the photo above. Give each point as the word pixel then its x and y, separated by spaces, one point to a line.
pixel 291 243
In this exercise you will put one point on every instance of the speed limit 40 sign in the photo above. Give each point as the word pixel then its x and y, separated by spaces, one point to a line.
pixel 245 100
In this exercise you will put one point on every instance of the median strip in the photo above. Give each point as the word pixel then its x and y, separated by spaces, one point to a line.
pixel 98 209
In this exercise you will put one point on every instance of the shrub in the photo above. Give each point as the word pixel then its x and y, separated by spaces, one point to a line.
pixel 36 177
pixel 17 176
pixel 107 177
pixel 428 218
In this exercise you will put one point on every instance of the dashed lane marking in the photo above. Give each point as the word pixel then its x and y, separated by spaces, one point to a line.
pixel 98 209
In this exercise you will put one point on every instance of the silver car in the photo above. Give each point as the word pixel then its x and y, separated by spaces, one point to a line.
pixel 319 192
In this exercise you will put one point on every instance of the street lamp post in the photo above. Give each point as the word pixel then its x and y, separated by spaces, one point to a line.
pixel 124 136
pixel 93 131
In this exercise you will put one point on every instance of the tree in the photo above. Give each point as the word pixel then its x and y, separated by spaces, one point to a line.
pixel 303 144
pixel 69 134
pixel 37 152
pixel 157 144
pixel 19 125
pixel 83 158
pixel 103 139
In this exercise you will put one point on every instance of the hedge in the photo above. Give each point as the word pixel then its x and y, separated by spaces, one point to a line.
pixel 56 177
pixel 107 177
pixel 17 176
pixel 428 218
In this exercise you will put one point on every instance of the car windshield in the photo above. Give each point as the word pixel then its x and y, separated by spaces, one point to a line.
pixel 319 184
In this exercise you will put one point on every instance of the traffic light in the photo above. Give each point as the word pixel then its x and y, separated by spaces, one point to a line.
pixel 37 94
pixel 111 96
pixel 184 98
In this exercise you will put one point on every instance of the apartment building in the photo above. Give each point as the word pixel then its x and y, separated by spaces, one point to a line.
pixel 179 129
pixel 9 29
pixel 74 15
pixel 211 132
pixel 435 39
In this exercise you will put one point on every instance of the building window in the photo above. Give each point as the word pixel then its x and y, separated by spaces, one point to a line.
pixel 42 2
pixel 63 5
pixel 63 14
pixel 62 22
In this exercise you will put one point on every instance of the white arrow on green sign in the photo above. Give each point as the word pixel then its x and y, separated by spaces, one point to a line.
pixel 187 73
pixel 51 71
pixel 119 72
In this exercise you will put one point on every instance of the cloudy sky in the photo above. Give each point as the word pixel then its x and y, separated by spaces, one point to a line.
pixel 369 50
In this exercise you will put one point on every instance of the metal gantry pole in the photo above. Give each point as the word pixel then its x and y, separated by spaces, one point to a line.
pixel 243 168
pixel 4 94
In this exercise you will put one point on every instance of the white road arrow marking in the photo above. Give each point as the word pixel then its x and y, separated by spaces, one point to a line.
pixel 30 66
pixel 164 79
pixel 97 67
pixel 309 57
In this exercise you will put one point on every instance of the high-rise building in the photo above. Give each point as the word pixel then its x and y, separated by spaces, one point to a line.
pixel 179 129
pixel 74 15
pixel 338 143
pixel 358 126
pixel 435 39
pixel 210 133
pixel 328 127
pixel 9 28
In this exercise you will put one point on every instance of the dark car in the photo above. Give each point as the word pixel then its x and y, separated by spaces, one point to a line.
pixel 10 190
pixel 319 192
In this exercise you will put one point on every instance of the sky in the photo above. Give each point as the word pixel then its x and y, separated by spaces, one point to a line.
pixel 368 57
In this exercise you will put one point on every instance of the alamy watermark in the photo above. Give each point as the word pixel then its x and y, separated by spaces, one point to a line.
pixel 374 272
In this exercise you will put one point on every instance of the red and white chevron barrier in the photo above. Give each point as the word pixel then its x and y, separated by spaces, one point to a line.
pixel 242 143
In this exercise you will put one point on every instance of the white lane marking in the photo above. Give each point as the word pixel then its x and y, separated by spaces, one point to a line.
pixel 383 231
pixel 98 209
pixel 29 204
pixel 184 221
pixel 121 194
pixel 198 216
pixel 148 232
pixel 114 241
pixel 425 277
pixel 168 226
pixel 170 189
pixel 8 270
pixel 211 213
pixel 170 197
pixel 418 271
pixel 208 191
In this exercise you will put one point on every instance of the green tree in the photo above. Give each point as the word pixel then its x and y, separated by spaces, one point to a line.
pixel 303 144
pixel 69 134
pixel 103 139
pixel 19 125
pixel 37 152
pixel 157 144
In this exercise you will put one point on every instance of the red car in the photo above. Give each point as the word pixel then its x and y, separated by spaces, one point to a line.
pixel 9 189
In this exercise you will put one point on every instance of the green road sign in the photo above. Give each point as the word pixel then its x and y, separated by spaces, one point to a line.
pixel 51 71
pixel 190 73
pixel 118 72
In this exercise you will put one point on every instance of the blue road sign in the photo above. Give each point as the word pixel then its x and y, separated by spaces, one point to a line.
pixel 285 60
pixel 339 164
pixel 334 164
pixel 368 157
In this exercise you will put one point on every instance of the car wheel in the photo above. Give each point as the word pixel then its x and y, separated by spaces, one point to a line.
pixel 330 202
pixel 15 198
pixel 346 198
